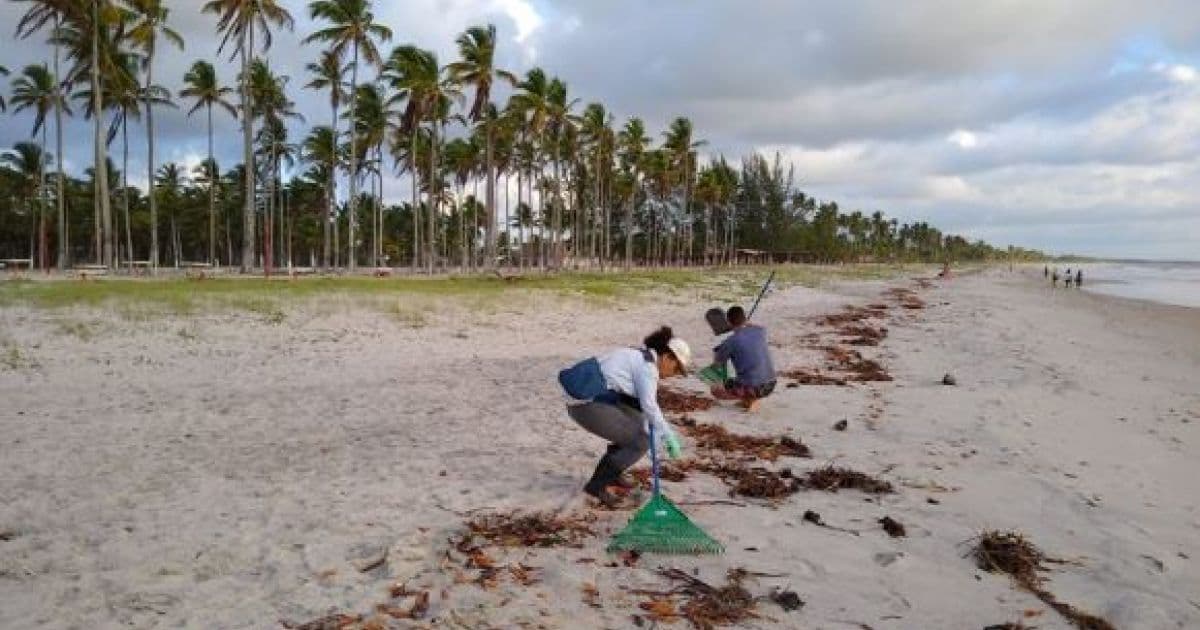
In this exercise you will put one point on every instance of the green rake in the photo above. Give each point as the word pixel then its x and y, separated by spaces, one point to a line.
pixel 660 526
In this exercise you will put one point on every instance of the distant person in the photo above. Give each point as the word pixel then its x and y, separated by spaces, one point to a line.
pixel 615 396
pixel 1046 272
pixel 1078 278
pixel 945 272
pixel 747 349
pixel 1054 278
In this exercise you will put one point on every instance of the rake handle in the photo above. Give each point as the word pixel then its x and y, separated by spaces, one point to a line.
pixel 766 285
pixel 653 459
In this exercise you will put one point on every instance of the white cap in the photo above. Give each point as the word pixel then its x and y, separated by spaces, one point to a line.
pixel 682 351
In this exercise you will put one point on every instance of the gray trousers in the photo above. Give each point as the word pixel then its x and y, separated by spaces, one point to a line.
pixel 619 424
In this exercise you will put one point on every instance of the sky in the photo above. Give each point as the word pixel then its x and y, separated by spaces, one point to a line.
pixel 1071 126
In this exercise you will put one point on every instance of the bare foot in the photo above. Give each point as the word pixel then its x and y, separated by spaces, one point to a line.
pixel 750 406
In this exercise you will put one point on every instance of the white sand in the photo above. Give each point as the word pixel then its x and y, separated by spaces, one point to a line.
pixel 225 472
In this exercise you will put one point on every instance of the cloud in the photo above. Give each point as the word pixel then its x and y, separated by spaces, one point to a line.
pixel 1178 72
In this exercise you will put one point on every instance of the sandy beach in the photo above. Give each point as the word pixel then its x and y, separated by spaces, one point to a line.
pixel 251 469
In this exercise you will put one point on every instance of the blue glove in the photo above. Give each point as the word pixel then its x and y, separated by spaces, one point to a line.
pixel 674 450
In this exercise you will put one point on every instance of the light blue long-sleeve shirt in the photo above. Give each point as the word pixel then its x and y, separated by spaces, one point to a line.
pixel 627 371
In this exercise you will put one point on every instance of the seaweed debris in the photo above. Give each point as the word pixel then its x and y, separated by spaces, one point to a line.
pixel 1012 554
pixel 683 402
pixel 714 437
pixel 531 530
pixel 832 479
pixel 706 606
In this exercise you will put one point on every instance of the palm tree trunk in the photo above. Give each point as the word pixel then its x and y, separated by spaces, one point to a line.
pixel 431 242
pixel 353 158
pixel 287 210
pixel 462 231
pixel 63 245
pixel 228 240
pixel 337 241
pixel 520 220
pixel 606 219
pixel 416 208
pixel 331 192
pixel 507 224
pixel 104 209
pixel 269 212
pixel 248 209
pixel 629 224
pixel 42 253
pixel 212 196
pixel 490 249
pixel 556 210
pixel 150 163
pixel 125 186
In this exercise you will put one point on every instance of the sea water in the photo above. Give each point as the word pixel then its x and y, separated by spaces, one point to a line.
pixel 1175 283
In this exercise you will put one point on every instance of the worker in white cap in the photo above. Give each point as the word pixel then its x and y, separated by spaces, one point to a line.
pixel 615 396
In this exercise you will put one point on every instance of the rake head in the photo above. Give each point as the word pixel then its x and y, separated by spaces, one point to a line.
pixel 661 527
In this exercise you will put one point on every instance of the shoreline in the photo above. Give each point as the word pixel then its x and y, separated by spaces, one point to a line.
pixel 241 472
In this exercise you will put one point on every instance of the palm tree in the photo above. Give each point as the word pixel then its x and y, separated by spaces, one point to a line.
pixel 370 127
pixel 461 160
pixel 678 141
pixel 36 89
pixel 169 182
pixel 208 175
pixel 416 78
pixel 353 26
pixel 122 96
pixel 329 74
pixel 90 32
pixel 37 17
pixel 239 19
pixel 477 68
pixel 597 129
pixel 533 102
pixel 633 141
pixel 405 153
pixel 321 148
pixel 560 124
pixel 271 103
pixel 27 160
pixel 203 86
pixel 149 22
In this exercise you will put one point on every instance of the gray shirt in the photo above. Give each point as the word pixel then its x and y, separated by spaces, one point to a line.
pixel 747 348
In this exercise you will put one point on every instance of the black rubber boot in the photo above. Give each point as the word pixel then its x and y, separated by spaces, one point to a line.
pixel 605 475
pixel 623 480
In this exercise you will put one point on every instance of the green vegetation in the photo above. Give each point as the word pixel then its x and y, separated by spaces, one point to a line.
pixel 269 299
pixel 589 190
pixel 13 358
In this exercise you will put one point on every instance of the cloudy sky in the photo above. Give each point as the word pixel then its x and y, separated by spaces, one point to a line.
pixel 1065 125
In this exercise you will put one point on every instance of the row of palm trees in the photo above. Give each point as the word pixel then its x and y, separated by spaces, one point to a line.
pixel 580 182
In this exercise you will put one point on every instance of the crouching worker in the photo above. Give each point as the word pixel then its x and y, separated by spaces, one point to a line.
pixel 615 396
pixel 747 349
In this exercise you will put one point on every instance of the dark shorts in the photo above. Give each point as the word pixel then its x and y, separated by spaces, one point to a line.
pixel 749 392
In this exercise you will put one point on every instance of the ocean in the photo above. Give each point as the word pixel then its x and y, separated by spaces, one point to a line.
pixel 1176 283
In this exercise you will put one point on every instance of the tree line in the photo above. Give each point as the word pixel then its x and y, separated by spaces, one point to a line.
pixel 537 181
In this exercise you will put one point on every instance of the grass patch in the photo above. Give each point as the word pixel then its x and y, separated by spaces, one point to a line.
pixel 84 331
pixel 12 358
pixel 406 315
pixel 140 299
pixel 266 308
